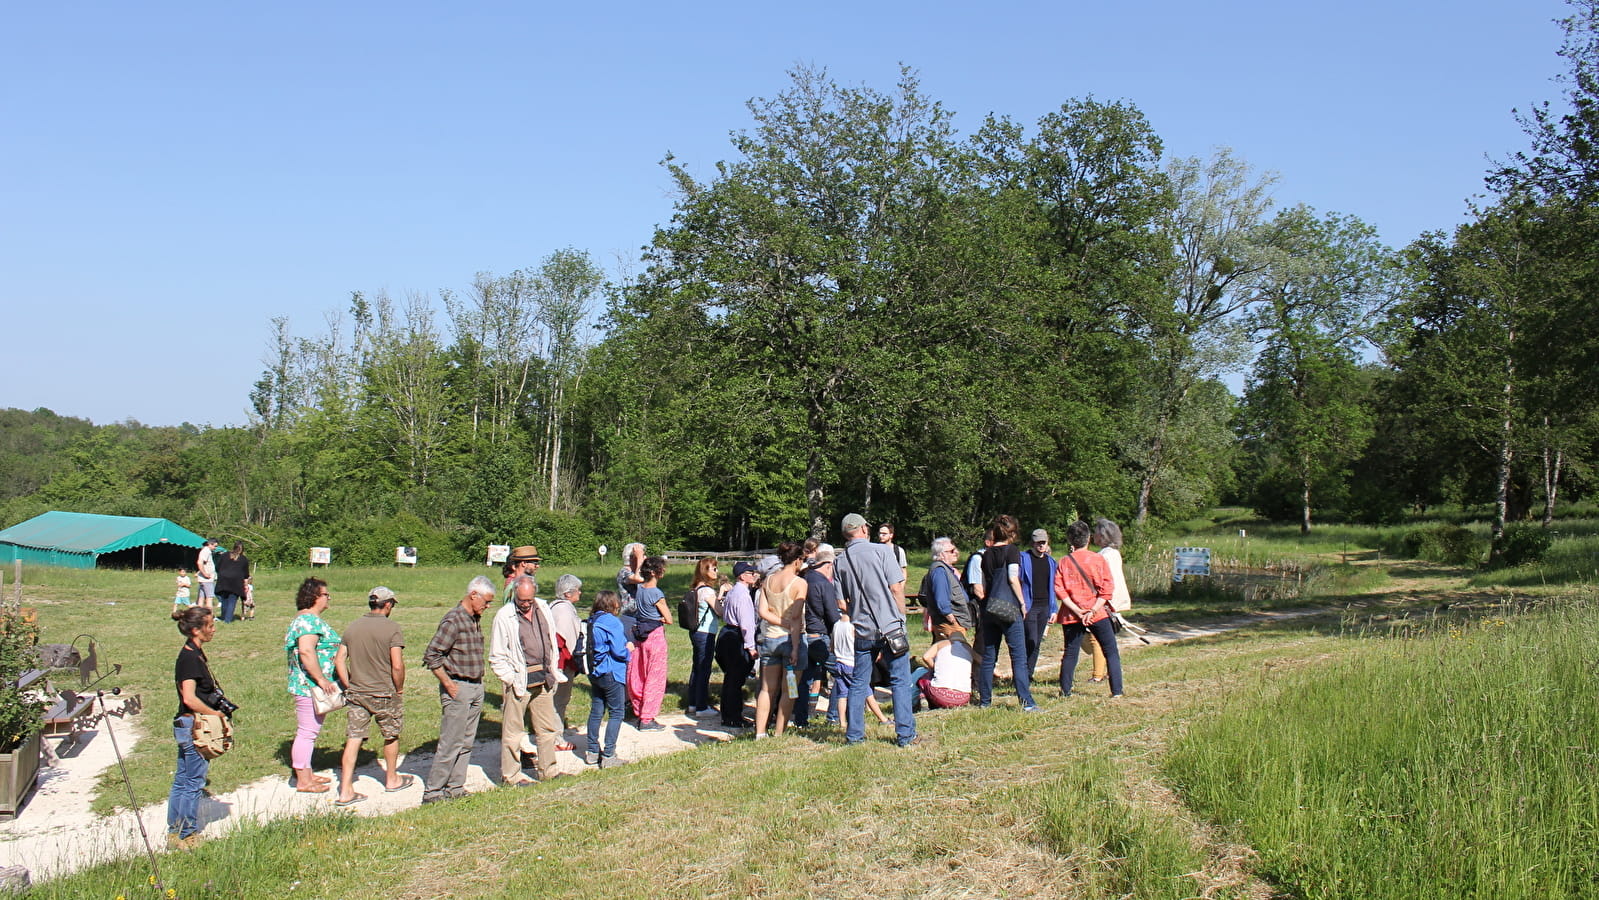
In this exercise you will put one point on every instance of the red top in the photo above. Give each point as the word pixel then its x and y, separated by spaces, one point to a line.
pixel 1094 594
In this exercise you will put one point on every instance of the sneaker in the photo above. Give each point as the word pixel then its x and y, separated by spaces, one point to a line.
pixel 1030 709
pixel 651 726
pixel 707 713
pixel 607 762
pixel 591 758
pixel 761 735
pixel 690 711
pixel 916 741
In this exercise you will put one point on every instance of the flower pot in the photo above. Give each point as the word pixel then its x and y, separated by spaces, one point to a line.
pixel 19 772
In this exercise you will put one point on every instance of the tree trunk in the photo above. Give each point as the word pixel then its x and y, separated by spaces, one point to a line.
pixel 1552 460
pixel 1304 494
pixel 1146 484
pixel 1506 456
pixel 815 493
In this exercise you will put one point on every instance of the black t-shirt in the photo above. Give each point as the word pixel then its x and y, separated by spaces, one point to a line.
pixel 821 604
pixel 1040 579
pixel 231 574
pixel 996 559
pixel 191 667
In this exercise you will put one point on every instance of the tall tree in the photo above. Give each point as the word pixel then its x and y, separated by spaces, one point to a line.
pixel 1330 286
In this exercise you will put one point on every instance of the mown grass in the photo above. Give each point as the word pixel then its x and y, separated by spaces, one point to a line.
pixel 1076 802
pixel 1457 764
pixel 996 804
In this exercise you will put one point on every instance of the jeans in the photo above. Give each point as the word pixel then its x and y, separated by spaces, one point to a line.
pixel 228 601
pixel 1015 635
pixel 458 718
pixel 699 678
pixel 1037 626
pixel 1105 637
pixel 899 679
pixel 736 664
pixel 183 804
pixel 610 696
pixel 813 673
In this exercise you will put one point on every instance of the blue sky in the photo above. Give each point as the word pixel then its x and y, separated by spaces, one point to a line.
pixel 172 176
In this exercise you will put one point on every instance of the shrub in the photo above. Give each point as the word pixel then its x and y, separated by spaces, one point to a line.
pixel 19 715
pixel 1522 545
pixel 1447 544
pixel 562 538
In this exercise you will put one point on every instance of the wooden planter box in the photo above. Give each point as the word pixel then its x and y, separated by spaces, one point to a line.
pixel 19 772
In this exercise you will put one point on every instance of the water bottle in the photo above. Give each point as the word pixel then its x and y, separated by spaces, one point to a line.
pixel 793 685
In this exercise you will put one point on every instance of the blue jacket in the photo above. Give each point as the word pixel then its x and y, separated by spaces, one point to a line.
pixel 1025 570
pixel 610 645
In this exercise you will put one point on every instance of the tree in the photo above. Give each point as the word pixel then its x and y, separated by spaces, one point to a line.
pixel 1330 285
pixel 564 294
pixel 1213 225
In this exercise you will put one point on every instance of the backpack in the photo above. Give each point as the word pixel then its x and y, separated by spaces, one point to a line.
pixel 584 651
pixel 688 610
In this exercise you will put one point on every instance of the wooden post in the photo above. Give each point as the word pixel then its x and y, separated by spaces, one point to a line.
pixel 16 581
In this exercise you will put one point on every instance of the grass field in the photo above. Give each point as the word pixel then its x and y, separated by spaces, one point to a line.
pixel 1329 756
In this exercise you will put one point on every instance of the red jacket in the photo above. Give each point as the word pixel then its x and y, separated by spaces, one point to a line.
pixel 1095 592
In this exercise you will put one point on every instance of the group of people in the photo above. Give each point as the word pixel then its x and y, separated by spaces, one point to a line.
pixel 224 583
pixel 809 615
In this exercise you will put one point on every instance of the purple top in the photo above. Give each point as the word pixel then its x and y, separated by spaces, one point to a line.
pixel 738 611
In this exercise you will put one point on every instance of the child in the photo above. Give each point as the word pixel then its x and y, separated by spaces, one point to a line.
pixel 607 650
pixel 844 672
pixel 180 602
pixel 249 601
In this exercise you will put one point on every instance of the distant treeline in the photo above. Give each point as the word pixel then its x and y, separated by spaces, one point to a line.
pixel 863 311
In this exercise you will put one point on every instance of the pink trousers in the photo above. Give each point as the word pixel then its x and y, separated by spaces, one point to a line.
pixel 646 676
pixel 307 726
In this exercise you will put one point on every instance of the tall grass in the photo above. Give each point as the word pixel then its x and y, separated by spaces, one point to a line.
pixel 1458 764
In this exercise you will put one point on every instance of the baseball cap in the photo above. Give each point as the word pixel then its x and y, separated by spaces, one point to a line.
pixel 854 521
pixel 739 568
pixel 1040 534
pixel 382 595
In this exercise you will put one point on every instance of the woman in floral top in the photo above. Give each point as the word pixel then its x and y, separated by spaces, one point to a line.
pixel 309 647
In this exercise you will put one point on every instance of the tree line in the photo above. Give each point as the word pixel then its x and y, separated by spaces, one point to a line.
pixel 863 310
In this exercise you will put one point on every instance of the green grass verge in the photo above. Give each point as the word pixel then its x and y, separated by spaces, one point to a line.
pixel 1458 764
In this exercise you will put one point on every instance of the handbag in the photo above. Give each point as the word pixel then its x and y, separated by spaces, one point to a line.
pixel 212 735
pixel 896 643
pixel 1002 607
pixel 327 701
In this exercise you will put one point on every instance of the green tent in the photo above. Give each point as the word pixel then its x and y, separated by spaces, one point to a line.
pixel 85 540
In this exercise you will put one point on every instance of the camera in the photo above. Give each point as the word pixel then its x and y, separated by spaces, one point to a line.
pixel 217 701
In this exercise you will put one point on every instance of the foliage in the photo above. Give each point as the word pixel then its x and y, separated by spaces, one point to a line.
pixel 1448 544
pixel 19 715
pixel 1523 544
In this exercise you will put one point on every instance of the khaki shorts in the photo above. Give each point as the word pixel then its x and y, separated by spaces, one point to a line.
pixel 389 711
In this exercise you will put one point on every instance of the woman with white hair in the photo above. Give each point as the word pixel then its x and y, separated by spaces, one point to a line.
pixel 563 615
pixel 1107 536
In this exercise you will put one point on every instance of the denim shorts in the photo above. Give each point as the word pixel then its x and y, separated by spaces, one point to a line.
pixel 777 651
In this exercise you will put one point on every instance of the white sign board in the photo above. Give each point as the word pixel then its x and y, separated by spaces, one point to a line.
pixel 1190 561
pixel 321 556
pixel 498 553
pixel 405 556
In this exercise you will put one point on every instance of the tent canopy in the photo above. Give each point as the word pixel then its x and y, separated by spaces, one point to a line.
pixel 78 540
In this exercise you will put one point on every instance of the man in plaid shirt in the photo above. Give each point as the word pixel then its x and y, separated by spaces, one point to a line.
pixel 455 657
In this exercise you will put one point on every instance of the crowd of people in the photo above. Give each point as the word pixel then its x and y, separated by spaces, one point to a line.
pixel 808 622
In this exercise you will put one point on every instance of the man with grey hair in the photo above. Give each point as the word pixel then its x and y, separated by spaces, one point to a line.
pixel 563 613
pixel 873 587
pixel 943 597
pixel 522 652
pixel 455 657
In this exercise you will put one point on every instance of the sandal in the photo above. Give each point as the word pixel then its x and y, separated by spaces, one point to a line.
pixel 312 789
pixel 357 798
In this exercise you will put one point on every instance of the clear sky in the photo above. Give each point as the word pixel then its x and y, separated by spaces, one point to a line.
pixel 174 175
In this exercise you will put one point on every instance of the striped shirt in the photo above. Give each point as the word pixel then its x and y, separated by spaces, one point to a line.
pixel 457 646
